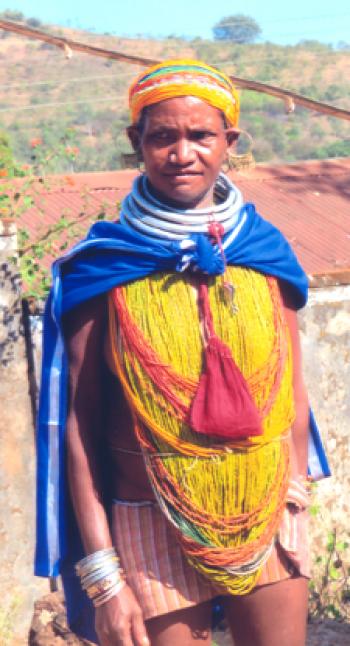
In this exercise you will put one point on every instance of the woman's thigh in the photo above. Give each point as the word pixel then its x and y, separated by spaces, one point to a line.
pixel 187 627
pixel 272 615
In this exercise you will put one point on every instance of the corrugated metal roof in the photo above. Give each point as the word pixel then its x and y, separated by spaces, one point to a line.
pixel 308 201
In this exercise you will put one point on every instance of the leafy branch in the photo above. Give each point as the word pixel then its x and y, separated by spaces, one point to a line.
pixel 330 587
pixel 28 189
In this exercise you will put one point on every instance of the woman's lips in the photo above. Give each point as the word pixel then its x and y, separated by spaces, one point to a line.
pixel 181 176
pixel 182 173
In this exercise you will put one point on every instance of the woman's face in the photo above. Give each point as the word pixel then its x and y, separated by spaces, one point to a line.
pixel 183 143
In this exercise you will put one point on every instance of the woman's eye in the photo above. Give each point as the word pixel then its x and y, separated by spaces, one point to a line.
pixel 200 135
pixel 160 136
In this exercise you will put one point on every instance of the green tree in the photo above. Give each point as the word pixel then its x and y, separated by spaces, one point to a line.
pixel 342 45
pixel 10 14
pixel 238 29
pixel 33 22
pixel 6 156
pixel 8 165
pixel 28 188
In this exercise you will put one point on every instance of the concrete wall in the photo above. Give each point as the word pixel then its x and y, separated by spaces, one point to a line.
pixel 325 334
pixel 17 585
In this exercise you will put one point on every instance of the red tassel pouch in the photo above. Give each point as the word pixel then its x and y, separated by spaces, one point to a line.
pixel 222 405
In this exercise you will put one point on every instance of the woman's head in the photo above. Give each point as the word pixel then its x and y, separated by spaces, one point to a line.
pixel 184 117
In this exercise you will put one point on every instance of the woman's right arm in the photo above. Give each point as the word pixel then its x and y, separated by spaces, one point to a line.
pixel 119 620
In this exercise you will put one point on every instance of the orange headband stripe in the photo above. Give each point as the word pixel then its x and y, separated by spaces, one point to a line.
pixel 175 78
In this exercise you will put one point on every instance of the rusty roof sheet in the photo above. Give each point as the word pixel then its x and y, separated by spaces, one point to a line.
pixel 308 201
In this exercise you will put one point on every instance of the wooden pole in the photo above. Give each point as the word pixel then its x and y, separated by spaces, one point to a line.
pixel 68 46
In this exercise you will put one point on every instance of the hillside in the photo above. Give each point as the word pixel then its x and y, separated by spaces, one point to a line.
pixel 82 102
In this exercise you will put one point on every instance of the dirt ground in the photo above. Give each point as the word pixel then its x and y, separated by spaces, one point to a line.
pixel 49 628
pixel 325 633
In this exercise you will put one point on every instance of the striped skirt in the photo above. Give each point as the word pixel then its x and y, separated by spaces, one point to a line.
pixel 159 574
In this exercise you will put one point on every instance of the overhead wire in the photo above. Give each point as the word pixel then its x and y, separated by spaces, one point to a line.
pixel 330 16
pixel 299 18
pixel 39 106
pixel 305 35
pixel 79 79
pixel 130 74
pixel 57 104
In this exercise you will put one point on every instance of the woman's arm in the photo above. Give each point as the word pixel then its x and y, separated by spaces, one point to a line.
pixel 300 426
pixel 84 332
pixel 119 620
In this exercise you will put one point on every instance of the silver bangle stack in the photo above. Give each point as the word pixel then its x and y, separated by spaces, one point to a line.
pixel 101 575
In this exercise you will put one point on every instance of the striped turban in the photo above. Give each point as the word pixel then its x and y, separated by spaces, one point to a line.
pixel 175 78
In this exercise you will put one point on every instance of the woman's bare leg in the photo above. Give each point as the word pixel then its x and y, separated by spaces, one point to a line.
pixel 272 615
pixel 188 627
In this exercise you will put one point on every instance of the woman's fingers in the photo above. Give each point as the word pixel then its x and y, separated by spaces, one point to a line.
pixel 139 632
pixel 125 640
pixel 120 636
pixel 119 622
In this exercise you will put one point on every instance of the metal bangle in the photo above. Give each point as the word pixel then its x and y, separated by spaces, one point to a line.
pixel 107 570
pixel 91 560
pixel 99 601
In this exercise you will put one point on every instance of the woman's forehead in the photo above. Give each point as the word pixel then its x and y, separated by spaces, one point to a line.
pixel 188 109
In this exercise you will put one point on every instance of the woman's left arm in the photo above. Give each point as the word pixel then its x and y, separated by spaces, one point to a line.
pixel 300 427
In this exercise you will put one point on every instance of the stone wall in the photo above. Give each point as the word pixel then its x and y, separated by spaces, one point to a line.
pixel 17 585
pixel 325 335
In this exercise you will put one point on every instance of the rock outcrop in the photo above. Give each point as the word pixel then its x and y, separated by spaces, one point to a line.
pixel 49 624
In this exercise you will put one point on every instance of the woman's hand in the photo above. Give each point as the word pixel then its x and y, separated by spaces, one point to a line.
pixel 119 621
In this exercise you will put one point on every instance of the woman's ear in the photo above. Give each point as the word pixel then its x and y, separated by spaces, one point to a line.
pixel 232 135
pixel 134 138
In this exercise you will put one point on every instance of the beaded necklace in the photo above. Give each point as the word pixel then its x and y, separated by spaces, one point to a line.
pixel 224 500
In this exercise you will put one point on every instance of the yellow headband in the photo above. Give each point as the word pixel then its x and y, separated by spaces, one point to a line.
pixel 175 78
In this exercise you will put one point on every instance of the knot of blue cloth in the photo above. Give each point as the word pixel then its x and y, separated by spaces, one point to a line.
pixel 201 255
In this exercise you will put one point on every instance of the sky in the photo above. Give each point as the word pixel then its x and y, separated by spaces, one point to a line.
pixel 281 22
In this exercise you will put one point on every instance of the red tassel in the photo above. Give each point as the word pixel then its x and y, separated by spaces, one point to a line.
pixel 222 405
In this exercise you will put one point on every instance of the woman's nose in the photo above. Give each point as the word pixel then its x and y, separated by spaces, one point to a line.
pixel 182 152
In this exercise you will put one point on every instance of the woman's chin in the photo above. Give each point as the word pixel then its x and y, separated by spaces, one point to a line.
pixel 183 196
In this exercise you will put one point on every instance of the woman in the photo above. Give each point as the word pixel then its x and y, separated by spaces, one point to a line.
pixel 187 406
